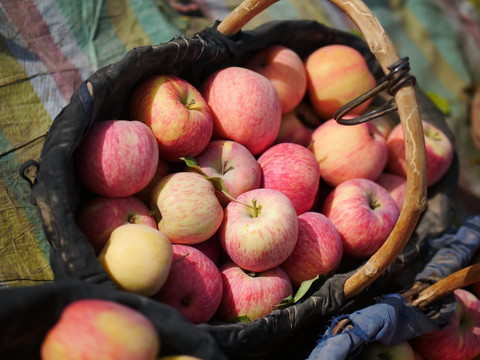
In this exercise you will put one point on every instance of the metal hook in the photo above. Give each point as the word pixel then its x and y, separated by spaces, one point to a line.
pixel 397 78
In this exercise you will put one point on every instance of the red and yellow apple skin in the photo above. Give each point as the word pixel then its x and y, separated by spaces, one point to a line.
pixel 318 250
pixel 293 170
pixel 285 69
pixel 259 230
pixel 245 107
pixel 187 207
pixel 337 74
pixel 117 158
pixel 194 285
pixel 460 340
pixel 99 330
pixel 438 149
pixel 364 214
pixel 100 215
pixel 347 152
pixel 251 294
pixel 176 113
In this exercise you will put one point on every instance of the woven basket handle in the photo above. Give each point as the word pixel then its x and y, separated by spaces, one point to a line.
pixel 415 198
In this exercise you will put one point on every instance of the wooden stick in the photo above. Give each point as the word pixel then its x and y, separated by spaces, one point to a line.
pixel 242 14
pixel 457 280
pixel 415 197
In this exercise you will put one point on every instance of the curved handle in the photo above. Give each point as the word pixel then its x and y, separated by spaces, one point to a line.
pixel 416 193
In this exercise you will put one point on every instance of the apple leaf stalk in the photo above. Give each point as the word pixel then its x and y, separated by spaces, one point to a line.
pixel 219 184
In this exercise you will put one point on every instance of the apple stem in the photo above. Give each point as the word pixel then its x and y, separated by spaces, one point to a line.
pixel 256 209
pixel 133 219
pixel 190 104
pixel 224 167
pixel 181 258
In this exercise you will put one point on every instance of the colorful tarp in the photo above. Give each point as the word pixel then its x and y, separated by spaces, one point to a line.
pixel 47 47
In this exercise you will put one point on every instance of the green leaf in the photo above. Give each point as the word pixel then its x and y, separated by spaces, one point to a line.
pixel 440 102
pixel 241 319
pixel 217 182
pixel 301 291
pixel 306 285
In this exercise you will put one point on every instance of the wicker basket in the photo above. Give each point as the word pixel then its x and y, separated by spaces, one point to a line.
pixel 59 195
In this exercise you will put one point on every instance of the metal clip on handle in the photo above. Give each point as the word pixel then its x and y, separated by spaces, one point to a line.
pixel 393 81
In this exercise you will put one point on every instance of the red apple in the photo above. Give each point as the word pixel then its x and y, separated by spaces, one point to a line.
pixel 395 185
pixel 233 163
pixel 259 230
pixel 245 107
pixel 193 286
pixel 163 169
pixel 251 294
pixel 137 258
pixel 292 130
pixel 99 216
pixel 176 112
pixel 346 152
pixel 212 248
pixel 458 340
pixel 438 148
pixel 101 329
pixel 188 209
pixel 364 214
pixel 318 250
pixel 285 69
pixel 293 170
pixel 384 124
pixel 336 74
pixel 117 158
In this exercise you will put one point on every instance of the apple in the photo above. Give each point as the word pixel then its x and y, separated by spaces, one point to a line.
pixel 100 215
pixel 318 250
pixel 259 230
pixel 399 351
pixel 251 294
pixel 438 149
pixel 384 124
pixel 117 158
pixel 364 214
pixel 337 74
pixel 176 112
pixel 245 107
pixel 458 340
pixel 346 152
pixel 285 69
pixel 212 248
pixel 137 258
pixel 163 169
pixel 193 286
pixel 292 130
pixel 234 164
pixel 395 185
pixel 188 208
pixel 293 170
pixel 101 329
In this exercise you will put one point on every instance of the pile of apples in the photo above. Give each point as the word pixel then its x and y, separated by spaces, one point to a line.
pixel 221 201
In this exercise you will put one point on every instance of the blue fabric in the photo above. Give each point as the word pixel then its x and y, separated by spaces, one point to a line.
pixel 452 251
pixel 389 321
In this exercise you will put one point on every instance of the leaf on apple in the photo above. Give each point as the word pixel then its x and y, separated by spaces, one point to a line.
pixel 302 290
pixel 217 182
